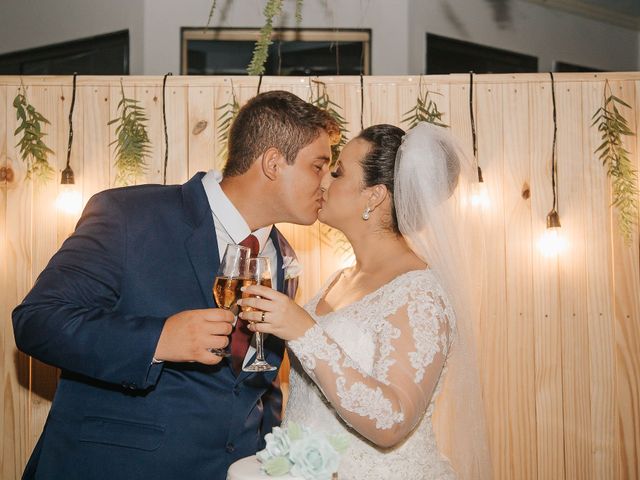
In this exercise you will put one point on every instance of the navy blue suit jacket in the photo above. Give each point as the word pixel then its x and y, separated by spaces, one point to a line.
pixel 139 255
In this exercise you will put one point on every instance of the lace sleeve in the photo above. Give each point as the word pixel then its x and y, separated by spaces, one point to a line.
pixel 412 344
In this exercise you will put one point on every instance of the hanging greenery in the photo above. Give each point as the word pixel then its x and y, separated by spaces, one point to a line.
pixel 325 103
pixel 624 178
pixel 425 110
pixel 229 111
pixel 299 4
pixel 211 12
pixel 132 141
pixel 272 9
pixel 33 150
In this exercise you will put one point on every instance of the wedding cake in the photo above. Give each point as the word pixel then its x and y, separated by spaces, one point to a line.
pixel 293 453
pixel 250 468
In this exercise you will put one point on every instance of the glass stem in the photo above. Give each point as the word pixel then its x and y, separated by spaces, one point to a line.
pixel 259 351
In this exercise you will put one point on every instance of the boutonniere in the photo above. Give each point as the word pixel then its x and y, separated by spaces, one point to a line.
pixel 291 267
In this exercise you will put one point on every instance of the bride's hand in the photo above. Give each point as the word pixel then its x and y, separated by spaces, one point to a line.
pixel 282 316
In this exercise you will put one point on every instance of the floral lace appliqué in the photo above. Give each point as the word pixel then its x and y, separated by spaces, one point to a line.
pixel 428 322
pixel 314 345
pixel 368 402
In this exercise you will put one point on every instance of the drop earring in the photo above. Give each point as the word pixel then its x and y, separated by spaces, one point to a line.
pixel 365 214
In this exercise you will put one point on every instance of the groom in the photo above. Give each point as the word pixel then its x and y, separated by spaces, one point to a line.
pixel 125 310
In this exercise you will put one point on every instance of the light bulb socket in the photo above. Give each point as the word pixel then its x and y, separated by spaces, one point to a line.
pixel 67 177
pixel 553 220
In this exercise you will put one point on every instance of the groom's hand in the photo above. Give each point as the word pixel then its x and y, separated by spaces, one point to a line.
pixel 187 336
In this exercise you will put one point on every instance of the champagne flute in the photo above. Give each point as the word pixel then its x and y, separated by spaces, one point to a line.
pixel 229 280
pixel 258 272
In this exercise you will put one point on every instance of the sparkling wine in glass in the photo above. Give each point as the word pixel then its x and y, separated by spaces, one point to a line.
pixel 229 280
pixel 258 273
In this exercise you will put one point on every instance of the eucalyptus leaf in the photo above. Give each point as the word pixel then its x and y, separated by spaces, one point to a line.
pixel 615 158
pixel 132 141
pixel 272 9
pixel 33 150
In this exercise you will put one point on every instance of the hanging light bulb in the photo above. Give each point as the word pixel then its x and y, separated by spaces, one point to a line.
pixel 69 198
pixel 479 195
pixel 479 192
pixel 552 242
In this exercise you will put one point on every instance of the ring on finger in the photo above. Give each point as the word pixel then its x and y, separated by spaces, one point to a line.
pixel 262 317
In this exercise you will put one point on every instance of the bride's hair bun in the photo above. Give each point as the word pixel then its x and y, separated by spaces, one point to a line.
pixel 378 164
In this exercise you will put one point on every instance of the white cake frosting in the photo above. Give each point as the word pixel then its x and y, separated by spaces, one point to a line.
pixel 249 469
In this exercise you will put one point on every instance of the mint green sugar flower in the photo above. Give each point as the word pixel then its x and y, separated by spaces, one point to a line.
pixel 313 458
pixel 278 444
pixel 276 466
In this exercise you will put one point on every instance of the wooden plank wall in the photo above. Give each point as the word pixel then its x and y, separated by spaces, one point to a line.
pixel 560 337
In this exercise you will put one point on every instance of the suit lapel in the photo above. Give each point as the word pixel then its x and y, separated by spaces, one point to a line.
pixel 275 238
pixel 202 245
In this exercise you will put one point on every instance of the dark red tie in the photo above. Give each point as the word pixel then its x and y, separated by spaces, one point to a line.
pixel 251 242
pixel 241 335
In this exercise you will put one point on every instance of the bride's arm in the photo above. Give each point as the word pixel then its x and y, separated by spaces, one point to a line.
pixel 411 346
pixel 410 353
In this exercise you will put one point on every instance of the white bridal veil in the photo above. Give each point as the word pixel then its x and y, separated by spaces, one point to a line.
pixel 433 179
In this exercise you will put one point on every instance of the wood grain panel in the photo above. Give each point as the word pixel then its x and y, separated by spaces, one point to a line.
pixel 626 280
pixel 546 307
pixel 493 317
pixel 599 272
pixel 573 284
pixel 16 445
pixel 519 283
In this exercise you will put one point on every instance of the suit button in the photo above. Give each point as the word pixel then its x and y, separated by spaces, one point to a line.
pixel 132 386
pixel 230 448
pixel 124 385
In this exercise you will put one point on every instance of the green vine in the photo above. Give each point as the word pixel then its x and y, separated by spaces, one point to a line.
pixel 323 102
pixel 425 110
pixel 211 12
pixel 272 9
pixel 299 4
pixel 32 149
pixel 229 111
pixel 624 178
pixel 132 142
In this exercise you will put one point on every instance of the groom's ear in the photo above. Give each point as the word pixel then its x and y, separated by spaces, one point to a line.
pixel 378 195
pixel 271 162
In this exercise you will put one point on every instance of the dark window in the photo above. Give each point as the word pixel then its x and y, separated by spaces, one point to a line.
pixel 100 55
pixel 571 67
pixel 228 51
pixel 446 55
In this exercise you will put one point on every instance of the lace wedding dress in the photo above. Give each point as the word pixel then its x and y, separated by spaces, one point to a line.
pixel 379 361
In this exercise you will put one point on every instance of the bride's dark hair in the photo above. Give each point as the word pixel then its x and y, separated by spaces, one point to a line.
pixel 378 164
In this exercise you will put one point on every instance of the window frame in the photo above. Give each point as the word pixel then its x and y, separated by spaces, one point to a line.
pixel 279 34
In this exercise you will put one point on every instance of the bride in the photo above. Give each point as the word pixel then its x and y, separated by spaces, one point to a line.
pixel 381 340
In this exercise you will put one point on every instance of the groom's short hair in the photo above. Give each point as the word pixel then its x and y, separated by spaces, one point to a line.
pixel 275 119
